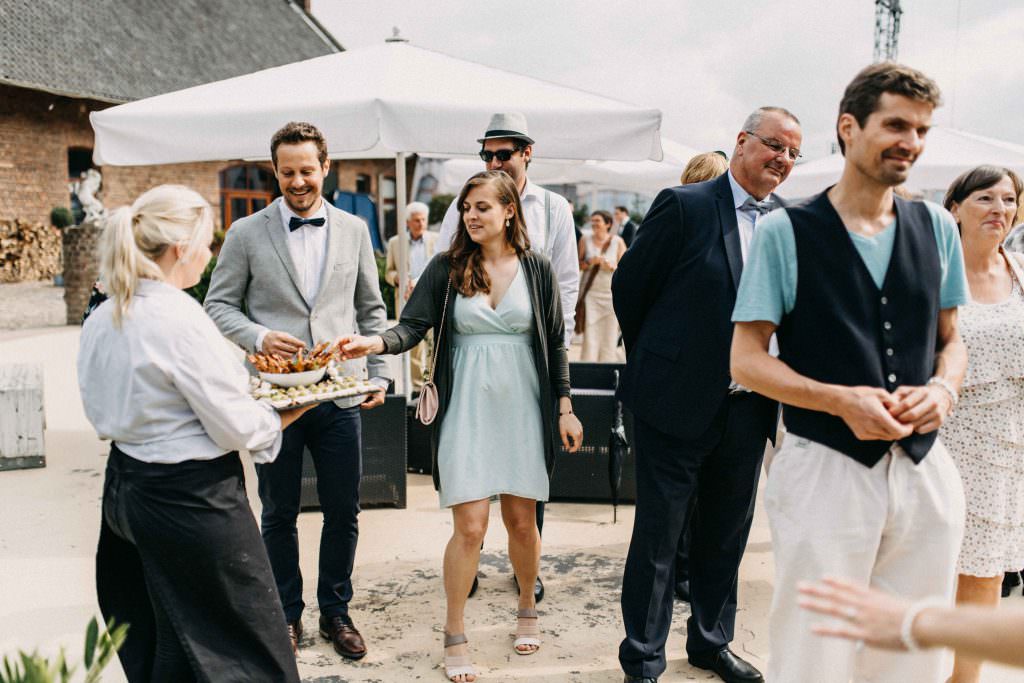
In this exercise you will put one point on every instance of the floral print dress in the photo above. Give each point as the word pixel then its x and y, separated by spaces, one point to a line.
pixel 985 434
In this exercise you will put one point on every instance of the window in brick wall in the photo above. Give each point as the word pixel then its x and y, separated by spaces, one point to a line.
pixel 79 161
pixel 245 189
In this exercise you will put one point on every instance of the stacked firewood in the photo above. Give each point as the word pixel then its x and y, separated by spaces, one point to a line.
pixel 28 251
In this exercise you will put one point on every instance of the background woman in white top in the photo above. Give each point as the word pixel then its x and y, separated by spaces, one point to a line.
pixel 180 557
pixel 600 252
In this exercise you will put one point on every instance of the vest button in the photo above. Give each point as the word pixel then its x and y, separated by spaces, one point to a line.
pixel 892 377
pixel 885 300
pixel 888 352
pixel 887 325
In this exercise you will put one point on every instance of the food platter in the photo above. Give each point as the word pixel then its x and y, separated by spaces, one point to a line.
pixel 332 387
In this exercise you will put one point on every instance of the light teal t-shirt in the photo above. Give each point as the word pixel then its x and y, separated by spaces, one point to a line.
pixel 768 286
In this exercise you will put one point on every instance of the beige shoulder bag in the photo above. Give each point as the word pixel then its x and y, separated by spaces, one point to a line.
pixel 426 408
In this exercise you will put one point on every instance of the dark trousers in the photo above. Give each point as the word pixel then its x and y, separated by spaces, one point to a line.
pixel 333 436
pixel 683 550
pixel 180 560
pixel 724 465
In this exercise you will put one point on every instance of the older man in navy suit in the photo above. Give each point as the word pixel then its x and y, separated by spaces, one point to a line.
pixel 696 429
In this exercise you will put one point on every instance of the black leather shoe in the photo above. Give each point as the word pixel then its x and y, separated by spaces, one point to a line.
pixel 476 584
pixel 637 679
pixel 729 667
pixel 294 634
pixel 344 636
pixel 538 588
pixel 682 591
pixel 1010 581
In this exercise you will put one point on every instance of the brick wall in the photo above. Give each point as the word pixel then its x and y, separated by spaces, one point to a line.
pixel 122 184
pixel 81 268
pixel 36 130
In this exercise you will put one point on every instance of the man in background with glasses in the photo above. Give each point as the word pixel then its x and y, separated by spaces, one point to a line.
pixel 506 146
pixel 698 433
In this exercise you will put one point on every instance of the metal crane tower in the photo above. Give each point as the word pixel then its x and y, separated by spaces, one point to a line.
pixel 887 29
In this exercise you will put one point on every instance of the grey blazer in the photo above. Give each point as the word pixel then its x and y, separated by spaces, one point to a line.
pixel 255 287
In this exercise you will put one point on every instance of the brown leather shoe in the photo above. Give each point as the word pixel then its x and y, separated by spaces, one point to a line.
pixel 294 633
pixel 344 636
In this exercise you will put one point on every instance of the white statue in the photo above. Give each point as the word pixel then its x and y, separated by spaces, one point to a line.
pixel 86 188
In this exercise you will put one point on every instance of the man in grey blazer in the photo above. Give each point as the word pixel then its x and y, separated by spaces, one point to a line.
pixel 289 276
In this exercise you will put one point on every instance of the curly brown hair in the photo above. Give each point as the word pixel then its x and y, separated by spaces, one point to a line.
pixel 295 133
pixel 465 259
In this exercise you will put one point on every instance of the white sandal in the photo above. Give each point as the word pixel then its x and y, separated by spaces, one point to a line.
pixel 457 665
pixel 527 632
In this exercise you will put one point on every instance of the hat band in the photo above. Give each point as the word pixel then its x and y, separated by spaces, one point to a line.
pixel 505 134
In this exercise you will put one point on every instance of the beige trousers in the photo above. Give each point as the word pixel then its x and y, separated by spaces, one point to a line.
pixel 601 333
pixel 896 526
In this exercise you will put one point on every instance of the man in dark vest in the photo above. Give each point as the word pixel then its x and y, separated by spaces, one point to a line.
pixel 697 431
pixel 861 288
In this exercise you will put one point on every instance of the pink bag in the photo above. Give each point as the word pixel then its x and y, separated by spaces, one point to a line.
pixel 426 408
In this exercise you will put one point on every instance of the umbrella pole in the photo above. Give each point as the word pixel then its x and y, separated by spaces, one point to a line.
pixel 403 261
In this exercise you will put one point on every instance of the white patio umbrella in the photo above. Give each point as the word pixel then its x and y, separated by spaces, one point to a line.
pixel 392 98
pixel 948 153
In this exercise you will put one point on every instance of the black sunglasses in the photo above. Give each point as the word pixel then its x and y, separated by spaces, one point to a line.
pixel 502 154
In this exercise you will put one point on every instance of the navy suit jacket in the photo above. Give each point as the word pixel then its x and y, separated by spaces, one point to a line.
pixel 673 292
pixel 628 232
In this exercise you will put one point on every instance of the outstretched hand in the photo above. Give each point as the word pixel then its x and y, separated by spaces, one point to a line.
pixel 358 346
pixel 864 614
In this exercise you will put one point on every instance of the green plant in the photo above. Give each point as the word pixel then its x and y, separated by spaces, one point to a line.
pixel 198 291
pixel 386 290
pixel 581 216
pixel 100 648
pixel 439 204
pixel 61 217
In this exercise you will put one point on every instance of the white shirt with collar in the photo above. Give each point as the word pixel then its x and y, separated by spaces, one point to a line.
pixel 746 220
pixel 557 242
pixel 166 387
pixel 308 247
pixel 417 257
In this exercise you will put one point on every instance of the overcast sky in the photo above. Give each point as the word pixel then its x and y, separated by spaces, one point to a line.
pixel 707 63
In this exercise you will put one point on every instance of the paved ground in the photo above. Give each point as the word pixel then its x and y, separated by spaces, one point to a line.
pixel 49 523
pixel 28 305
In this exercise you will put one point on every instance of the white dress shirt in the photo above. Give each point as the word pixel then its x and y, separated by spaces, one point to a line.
pixel 747 222
pixel 308 247
pixel 166 387
pixel 556 241
pixel 417 257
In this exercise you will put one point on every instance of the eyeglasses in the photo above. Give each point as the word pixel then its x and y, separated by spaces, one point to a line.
pixel 502 154
pixel 774 145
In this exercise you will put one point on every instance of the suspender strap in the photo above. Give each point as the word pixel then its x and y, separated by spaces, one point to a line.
pixel 547 223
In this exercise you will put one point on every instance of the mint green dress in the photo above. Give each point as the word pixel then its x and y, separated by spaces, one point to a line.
pixel 492 437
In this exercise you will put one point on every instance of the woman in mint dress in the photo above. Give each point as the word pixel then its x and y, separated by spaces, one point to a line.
pixel 502 376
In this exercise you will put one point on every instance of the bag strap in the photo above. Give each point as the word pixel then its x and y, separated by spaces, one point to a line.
pixel 547 223
pixel 1015 265
pixel 440 329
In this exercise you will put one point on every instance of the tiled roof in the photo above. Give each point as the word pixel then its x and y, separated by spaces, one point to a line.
pixel 120 50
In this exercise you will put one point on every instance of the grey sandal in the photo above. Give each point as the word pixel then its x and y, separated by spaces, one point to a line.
pixel 457 665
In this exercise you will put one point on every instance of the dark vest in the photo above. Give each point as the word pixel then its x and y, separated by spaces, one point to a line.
pixel 844 330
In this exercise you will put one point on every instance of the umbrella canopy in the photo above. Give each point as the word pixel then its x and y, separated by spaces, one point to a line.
pixel 947 154
pixel 393 97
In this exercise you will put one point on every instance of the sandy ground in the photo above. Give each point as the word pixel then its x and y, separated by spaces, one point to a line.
pixel 49 524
